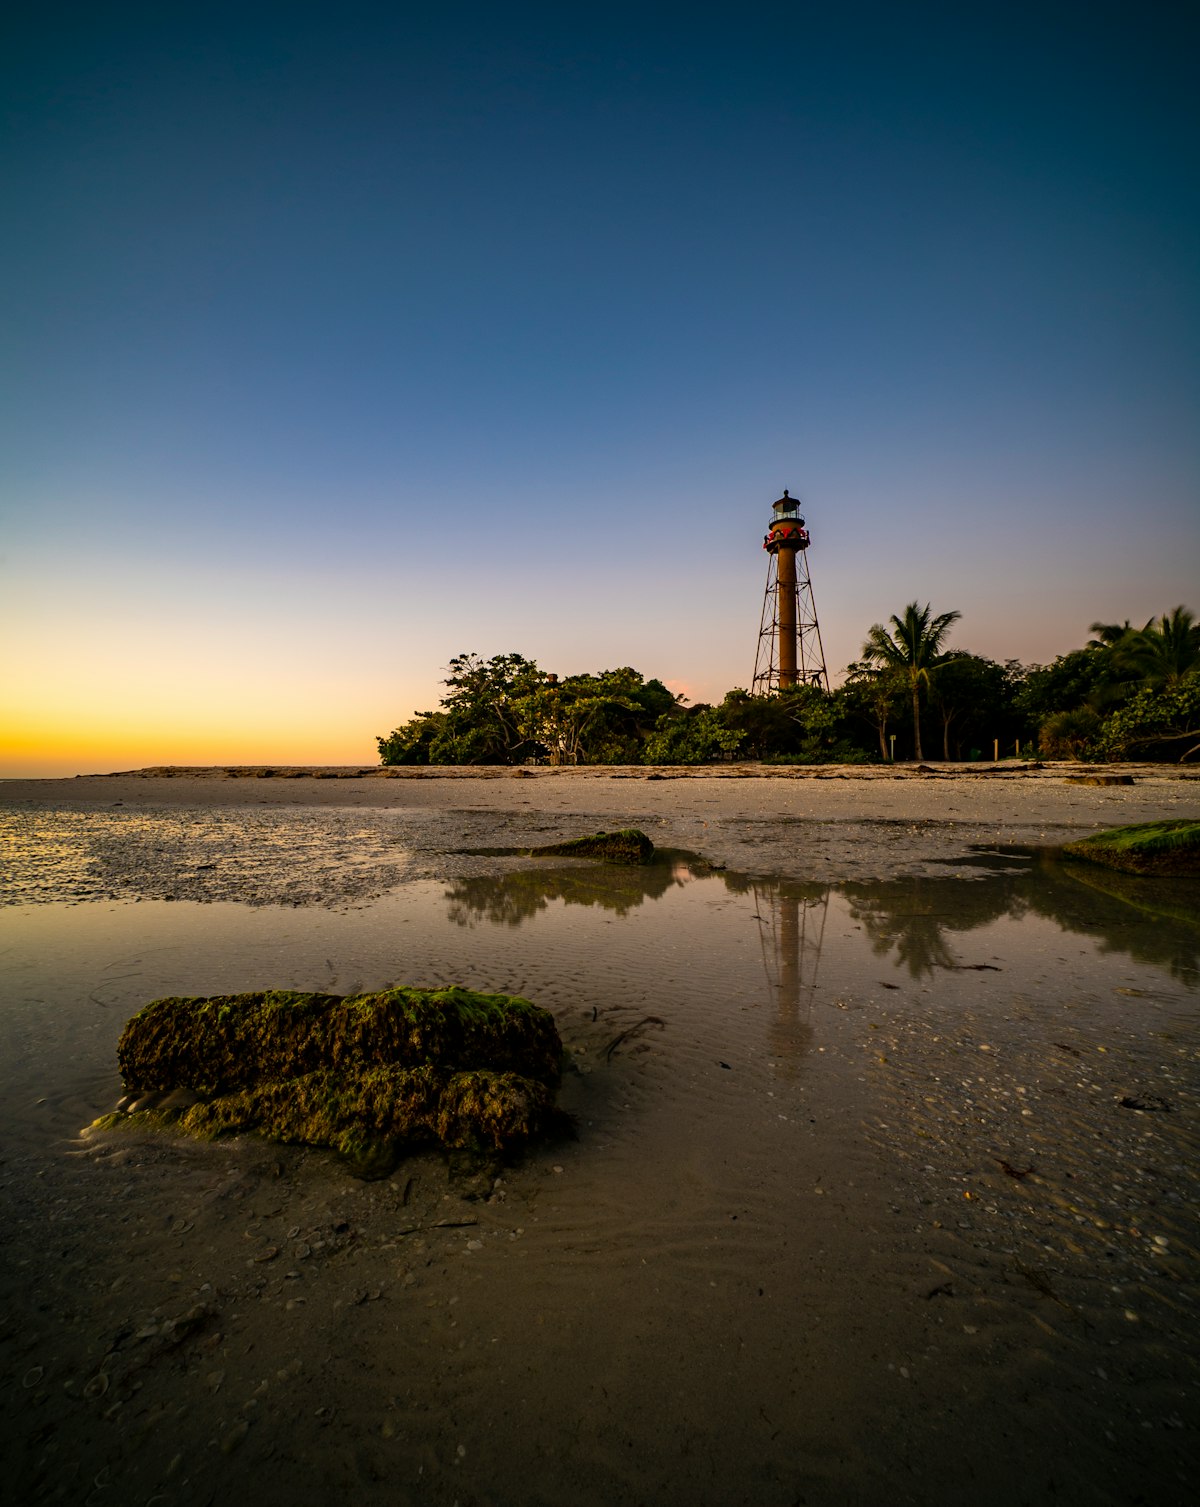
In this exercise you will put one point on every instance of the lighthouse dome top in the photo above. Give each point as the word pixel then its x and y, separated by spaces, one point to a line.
pixel 786 506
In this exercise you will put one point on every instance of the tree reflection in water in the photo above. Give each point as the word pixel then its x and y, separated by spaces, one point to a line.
pixel 1150 920
pixel 513 898
pixel 912 917
pixel 918 920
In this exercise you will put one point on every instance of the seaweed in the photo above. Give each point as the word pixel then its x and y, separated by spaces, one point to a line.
pixel 231 1041
pixel 626 846
pixel 370 1075
pixel 1165 847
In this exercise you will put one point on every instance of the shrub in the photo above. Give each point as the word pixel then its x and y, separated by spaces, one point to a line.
pixel 1070 735
pixel 1162 724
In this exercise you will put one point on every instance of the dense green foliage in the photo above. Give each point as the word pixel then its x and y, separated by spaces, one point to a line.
pixel 506 710
pixel 1132 693
pixel 1155 723
pixel 1129 693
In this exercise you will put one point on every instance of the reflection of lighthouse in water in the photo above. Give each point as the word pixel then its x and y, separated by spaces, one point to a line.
pixel 791 928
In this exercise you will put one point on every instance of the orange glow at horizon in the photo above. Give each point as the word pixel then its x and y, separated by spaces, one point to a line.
pixel 53 746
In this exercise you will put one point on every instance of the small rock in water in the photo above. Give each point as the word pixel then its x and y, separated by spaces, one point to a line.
pixel 235 1437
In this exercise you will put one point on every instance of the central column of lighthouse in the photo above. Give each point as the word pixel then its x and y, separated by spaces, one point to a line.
pixel 786 565
pixel 787 536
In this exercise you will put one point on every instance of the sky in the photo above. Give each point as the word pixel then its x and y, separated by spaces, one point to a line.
pixel 343 339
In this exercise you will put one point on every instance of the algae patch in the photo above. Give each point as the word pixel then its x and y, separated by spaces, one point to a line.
pixel 626 846
pixel 1166 847
pixel 370 1075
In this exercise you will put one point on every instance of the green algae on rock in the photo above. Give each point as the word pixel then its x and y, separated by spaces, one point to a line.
pixel 627 846
pixel 369 1075
pixel 1166 847
pixel 232 1041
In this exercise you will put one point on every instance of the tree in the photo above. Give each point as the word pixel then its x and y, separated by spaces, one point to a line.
pixel 410 743
pixel 799 721
pixel 505 710
pixel 692 736
pixel 973 695
pixel 634 711
pixel 482 717
pixel 593 719
pixel 1084 677
pixel 913 647
pixel 1109 635
pixel 1163 652
pixel 874 696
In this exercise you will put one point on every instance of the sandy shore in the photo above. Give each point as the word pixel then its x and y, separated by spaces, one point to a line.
pixel 885 1187
pixel 382 828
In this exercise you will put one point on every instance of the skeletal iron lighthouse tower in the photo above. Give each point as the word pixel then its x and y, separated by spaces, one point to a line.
pixel 789 638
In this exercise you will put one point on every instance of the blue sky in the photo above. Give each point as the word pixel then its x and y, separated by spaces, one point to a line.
pixel 344 339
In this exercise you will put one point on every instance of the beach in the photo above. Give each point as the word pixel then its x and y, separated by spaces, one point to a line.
pixel 815 822
pixel 883 1184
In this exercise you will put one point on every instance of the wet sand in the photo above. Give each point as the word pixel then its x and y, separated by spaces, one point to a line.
pixel 813 822
pixel 888 1194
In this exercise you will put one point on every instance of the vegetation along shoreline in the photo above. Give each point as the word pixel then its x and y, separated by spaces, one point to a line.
pixel 1129 693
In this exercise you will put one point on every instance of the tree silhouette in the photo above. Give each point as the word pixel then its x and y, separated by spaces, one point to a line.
pixel 1109 635
pixel 913 647
pixel 1161 653
pixel 1165 650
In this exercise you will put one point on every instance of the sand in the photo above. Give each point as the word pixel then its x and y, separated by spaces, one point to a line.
pixel 385 827
pixel 884 1189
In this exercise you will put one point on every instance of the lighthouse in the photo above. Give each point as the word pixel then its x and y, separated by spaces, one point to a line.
pixel 789 637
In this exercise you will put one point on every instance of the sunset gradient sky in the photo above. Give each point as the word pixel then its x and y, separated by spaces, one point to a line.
pixel 343 339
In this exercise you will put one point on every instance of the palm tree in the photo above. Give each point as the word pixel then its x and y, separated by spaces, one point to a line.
pixel 1109 635
pixel 1167 650
pixel 913 646
pixel 1160 653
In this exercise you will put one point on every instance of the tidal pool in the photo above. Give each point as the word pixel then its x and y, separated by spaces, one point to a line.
pixel 881 1193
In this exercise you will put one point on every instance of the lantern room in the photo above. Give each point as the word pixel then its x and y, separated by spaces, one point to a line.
pixel 786 529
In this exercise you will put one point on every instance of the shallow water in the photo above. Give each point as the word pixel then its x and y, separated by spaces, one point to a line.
pixel 863 1205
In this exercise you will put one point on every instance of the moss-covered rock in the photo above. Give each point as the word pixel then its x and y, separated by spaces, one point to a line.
pixel 369 1075
pixel 231 1041
pixel 627 846
pixel 477 1108
pixel 1167 847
